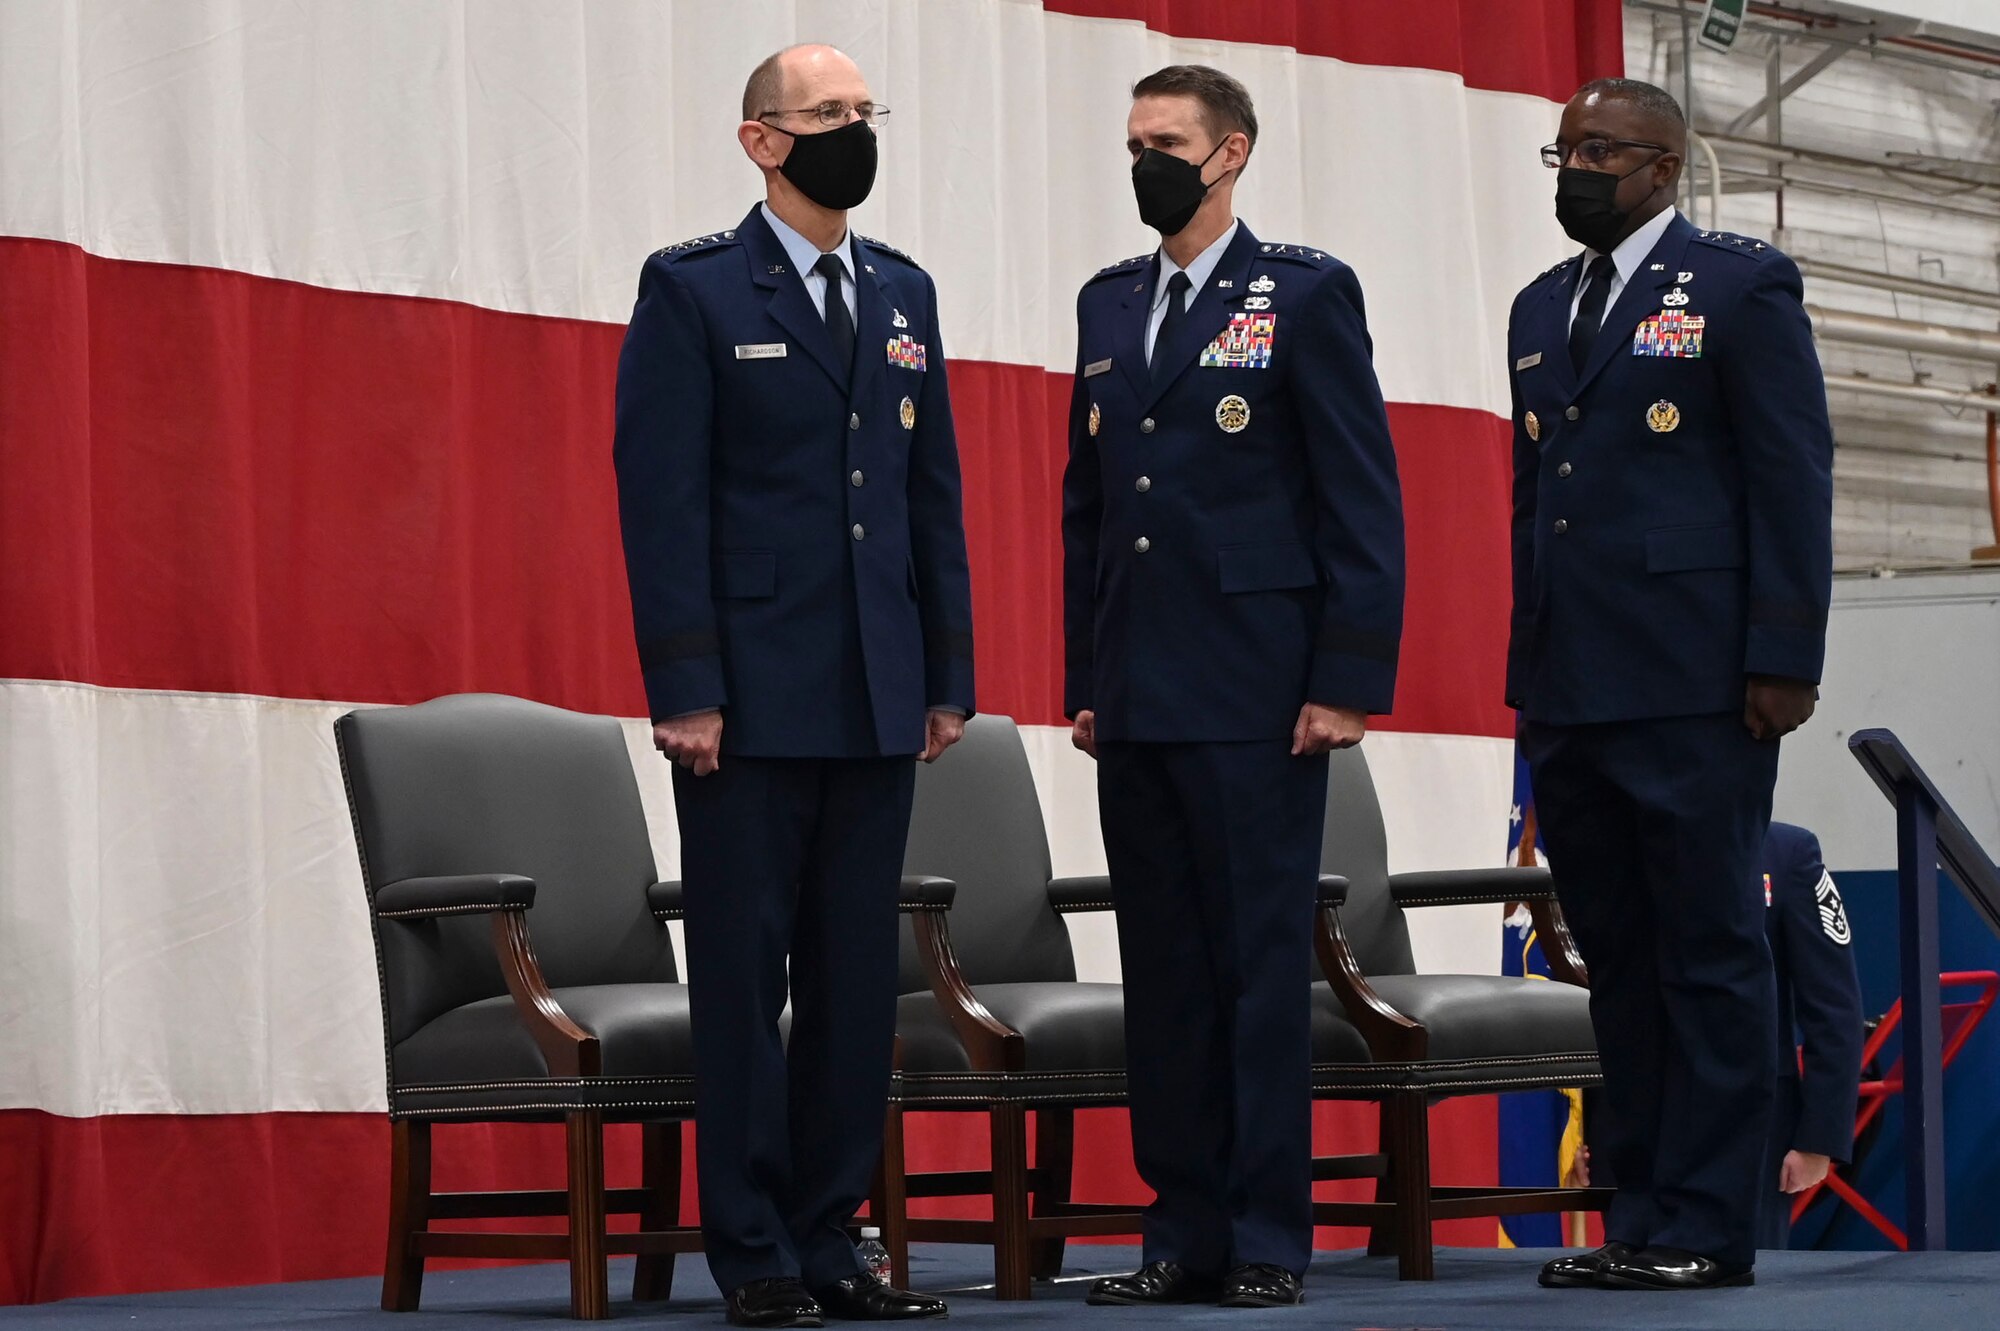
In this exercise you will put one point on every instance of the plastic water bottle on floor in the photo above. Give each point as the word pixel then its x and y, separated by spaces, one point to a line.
pixel 873 1255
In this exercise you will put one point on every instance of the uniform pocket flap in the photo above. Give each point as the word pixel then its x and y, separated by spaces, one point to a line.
pixel 1266 568
pixel 746 573
pixel 1683 549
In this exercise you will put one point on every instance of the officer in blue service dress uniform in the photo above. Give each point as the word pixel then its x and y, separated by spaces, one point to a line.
pixel 1672 569
pixel 1233 593
pixel 789 489
pixel 1820 1027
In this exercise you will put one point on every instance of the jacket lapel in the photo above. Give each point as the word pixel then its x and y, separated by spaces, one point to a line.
pixel 1552 336
pixel 1641 295
pixel 876 303
pixel 1128 352
pixel 1205 318
pixel 785 293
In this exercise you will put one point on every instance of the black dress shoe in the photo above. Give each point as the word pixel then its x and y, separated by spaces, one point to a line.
pixel 863 1298
pixel 1581 1270
pixel 780 1301
pixel 1670 1268
pixel 1155 1282
pixel 1261 1285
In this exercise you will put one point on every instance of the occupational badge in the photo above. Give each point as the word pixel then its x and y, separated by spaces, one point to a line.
pixel 1256 302
pixel 1674 299
pixel 899 321
pixel 1685 277
pixel 1673 333
pixel 909 414
pixel 1246 344
pixel 1096 419
pixel 1663 417
pixel 1264 286
pixel 1534 426
pixel 1232 414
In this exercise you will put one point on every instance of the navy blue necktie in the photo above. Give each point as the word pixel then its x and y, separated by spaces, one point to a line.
pixel 839 323
pixel 1177 286
pixel 1590 310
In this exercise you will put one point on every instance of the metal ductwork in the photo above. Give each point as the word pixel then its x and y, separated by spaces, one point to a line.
pixel 1907 286
pixel 1904 335
pixel 1941 396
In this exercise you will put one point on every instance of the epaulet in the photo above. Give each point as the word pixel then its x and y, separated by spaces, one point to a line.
pixel 1551 272
pixel 1122 266
pixel 887 249
pixel 1749 246
pixel 1305 254
pixel 709 241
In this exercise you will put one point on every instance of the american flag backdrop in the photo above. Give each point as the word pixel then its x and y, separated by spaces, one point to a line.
pixel 309 315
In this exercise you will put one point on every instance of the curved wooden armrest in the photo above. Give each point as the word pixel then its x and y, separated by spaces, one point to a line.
pixel 1391 1036
pixel 1558 946
pixel 990 1043
pixel 569 1049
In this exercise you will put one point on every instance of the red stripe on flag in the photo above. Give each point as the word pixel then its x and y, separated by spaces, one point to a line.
pixel 1543 47
pixel 133 1203
pixel 219 482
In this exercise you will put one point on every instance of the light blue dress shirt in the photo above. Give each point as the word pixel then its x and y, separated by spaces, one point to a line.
pixel 1198 273
pixel 804 254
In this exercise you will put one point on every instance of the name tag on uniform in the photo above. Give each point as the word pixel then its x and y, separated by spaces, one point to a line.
pixel 760 350
pixel 1097 367
pixel 1528 362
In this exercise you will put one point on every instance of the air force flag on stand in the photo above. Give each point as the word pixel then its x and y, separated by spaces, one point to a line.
pixel 1540 1131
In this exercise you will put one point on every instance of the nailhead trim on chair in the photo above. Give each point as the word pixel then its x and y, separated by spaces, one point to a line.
pixel 443 910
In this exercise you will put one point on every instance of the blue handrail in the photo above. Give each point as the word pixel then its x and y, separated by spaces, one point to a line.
pixel 1928 833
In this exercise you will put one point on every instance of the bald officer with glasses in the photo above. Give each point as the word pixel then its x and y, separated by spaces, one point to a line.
pixel 1672 568
pixel 789 489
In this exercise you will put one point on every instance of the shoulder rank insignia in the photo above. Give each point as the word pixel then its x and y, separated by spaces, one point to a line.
pixel 1745 245
pixel 886 248
pixel 698 243
pixel 1304 254
pixel 1121 266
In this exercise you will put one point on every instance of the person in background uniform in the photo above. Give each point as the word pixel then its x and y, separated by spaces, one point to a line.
pixel 789 490
pixel 1820 1025
pixel 1672 552
pixel 1233 596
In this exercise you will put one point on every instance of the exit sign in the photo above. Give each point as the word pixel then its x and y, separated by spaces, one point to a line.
pixel 1719 24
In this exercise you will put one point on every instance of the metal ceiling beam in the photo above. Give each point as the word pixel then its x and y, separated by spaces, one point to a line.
pixel 1908 286
pixel 1944 397
pixel 1806 74
pixel 1928 339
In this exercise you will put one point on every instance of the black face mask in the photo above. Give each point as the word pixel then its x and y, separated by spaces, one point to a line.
pixel 834 168
pixel 1587 206
pixel 1169 189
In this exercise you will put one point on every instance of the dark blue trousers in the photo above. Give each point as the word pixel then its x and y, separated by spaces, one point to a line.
pixel 1214 858
pixel 1653 830
pixel 790 867
pixel 1774 1208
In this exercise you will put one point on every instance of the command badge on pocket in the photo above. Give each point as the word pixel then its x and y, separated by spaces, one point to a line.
pixel 1232 414
pixel 1663 417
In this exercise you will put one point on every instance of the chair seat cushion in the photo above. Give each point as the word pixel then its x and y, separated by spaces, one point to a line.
pixel 480 1057
pixel 1073 1036
pixel 1490 1031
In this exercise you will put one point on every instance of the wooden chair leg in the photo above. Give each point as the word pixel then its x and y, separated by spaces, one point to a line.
pixel 409 1213
pixel 1055 1156
pixel 1410 1172
pixel 660 1176
pixel 889 1199
pixel 589 1297
pixel 1382 1237
pixel 1012 1277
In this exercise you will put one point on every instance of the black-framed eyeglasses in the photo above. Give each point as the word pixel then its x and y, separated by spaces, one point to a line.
pixel 1592 152
pixel 832 115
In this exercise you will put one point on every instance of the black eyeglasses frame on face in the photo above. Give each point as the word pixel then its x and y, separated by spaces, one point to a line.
pixel 1555 155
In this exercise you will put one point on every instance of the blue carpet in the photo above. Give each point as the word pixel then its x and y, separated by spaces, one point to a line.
pixel 1476 1290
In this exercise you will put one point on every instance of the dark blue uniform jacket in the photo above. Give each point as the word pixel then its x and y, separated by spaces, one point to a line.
pixel 1673 502
pixel 792 531
pixel 1232 524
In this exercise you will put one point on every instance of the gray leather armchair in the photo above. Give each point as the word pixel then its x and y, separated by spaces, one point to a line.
pixel 1382 1032
pixel 527 975
pixel 993 1019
